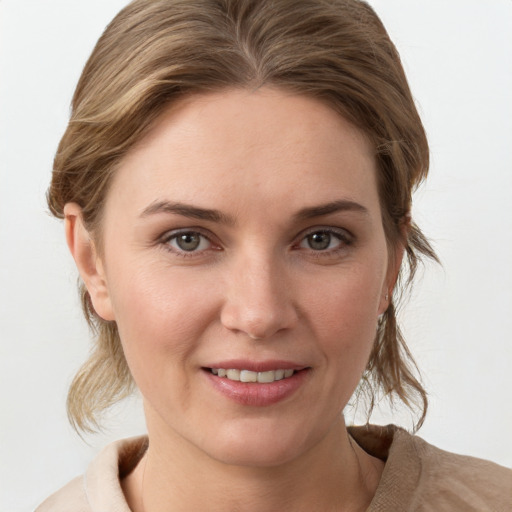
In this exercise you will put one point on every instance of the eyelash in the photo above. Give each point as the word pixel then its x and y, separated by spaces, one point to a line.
pixel 344 237
pixel 173 235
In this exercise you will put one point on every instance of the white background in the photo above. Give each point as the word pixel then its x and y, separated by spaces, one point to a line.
pixel 458 55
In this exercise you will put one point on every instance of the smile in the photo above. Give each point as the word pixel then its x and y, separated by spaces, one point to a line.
pixel 265 383
pixel 250 376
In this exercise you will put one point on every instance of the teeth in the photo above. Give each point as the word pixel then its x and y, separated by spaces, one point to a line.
pixel 269 376
pixel 233 374
pixel 250 376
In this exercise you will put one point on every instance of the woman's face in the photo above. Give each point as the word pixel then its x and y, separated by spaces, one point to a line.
pixel 243 234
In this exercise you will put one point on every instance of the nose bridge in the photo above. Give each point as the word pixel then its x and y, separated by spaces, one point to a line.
pixel 258 300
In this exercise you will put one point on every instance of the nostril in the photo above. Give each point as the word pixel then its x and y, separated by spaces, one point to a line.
pixel 257 309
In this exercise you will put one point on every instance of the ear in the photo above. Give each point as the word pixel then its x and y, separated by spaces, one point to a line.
pixel 89 264
pixel 396 255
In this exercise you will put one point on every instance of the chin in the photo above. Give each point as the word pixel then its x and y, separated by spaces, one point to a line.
pixel 259 446
pixel 255 455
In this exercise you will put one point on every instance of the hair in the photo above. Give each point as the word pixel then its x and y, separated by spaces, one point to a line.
pixel 156 52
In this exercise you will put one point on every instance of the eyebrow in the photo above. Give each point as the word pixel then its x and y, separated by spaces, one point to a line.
pixel 342 205
pixel 195 212
pixel 186 210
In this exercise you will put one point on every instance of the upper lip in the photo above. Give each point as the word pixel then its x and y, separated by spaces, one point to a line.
pixel 257 366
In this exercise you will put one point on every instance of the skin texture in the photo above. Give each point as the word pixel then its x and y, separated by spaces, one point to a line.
pixel 255 289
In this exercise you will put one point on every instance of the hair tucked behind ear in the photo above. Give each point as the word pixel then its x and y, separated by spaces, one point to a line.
pixel 156 52
pixel 391 367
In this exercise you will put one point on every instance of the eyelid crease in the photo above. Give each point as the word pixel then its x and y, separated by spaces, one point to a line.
pixel 173 233
pixel 342 233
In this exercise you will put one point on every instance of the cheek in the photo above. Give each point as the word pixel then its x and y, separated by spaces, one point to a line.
pixel 159 318
pixel 346 315
pixel 348 330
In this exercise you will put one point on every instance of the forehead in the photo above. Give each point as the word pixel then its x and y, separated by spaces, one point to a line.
pixel 237 145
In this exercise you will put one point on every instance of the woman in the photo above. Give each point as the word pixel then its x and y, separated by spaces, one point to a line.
pixel 236 183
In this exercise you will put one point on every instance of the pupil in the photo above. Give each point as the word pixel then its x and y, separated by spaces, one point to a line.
pixel 319 241
pixel 188 241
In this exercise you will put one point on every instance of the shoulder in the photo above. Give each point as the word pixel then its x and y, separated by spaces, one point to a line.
pixel 423 478
pixel 99 489
pixel 71 495
pixel 448 480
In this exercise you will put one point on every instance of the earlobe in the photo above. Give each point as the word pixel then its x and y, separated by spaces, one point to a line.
pixel 89 264
pixel 391 278
pixel 394 269
pixel 394 265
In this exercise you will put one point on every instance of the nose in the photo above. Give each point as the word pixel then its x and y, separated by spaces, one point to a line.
pixel 259 300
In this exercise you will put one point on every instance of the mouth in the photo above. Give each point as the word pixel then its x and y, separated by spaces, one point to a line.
pixel 265 377
pixel 257 384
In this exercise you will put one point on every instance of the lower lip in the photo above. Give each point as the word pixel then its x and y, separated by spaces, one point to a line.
pixel 257 394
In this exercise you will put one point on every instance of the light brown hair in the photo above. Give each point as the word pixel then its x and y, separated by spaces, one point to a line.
pixel 155 52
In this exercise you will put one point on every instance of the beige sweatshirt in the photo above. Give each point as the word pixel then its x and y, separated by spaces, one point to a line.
pixel 417 477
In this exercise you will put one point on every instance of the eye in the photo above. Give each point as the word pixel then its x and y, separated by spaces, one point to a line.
pixel 188 241
pixel 325 240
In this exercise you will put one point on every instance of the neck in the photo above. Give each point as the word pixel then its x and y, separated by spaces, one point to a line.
pixel 334 475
